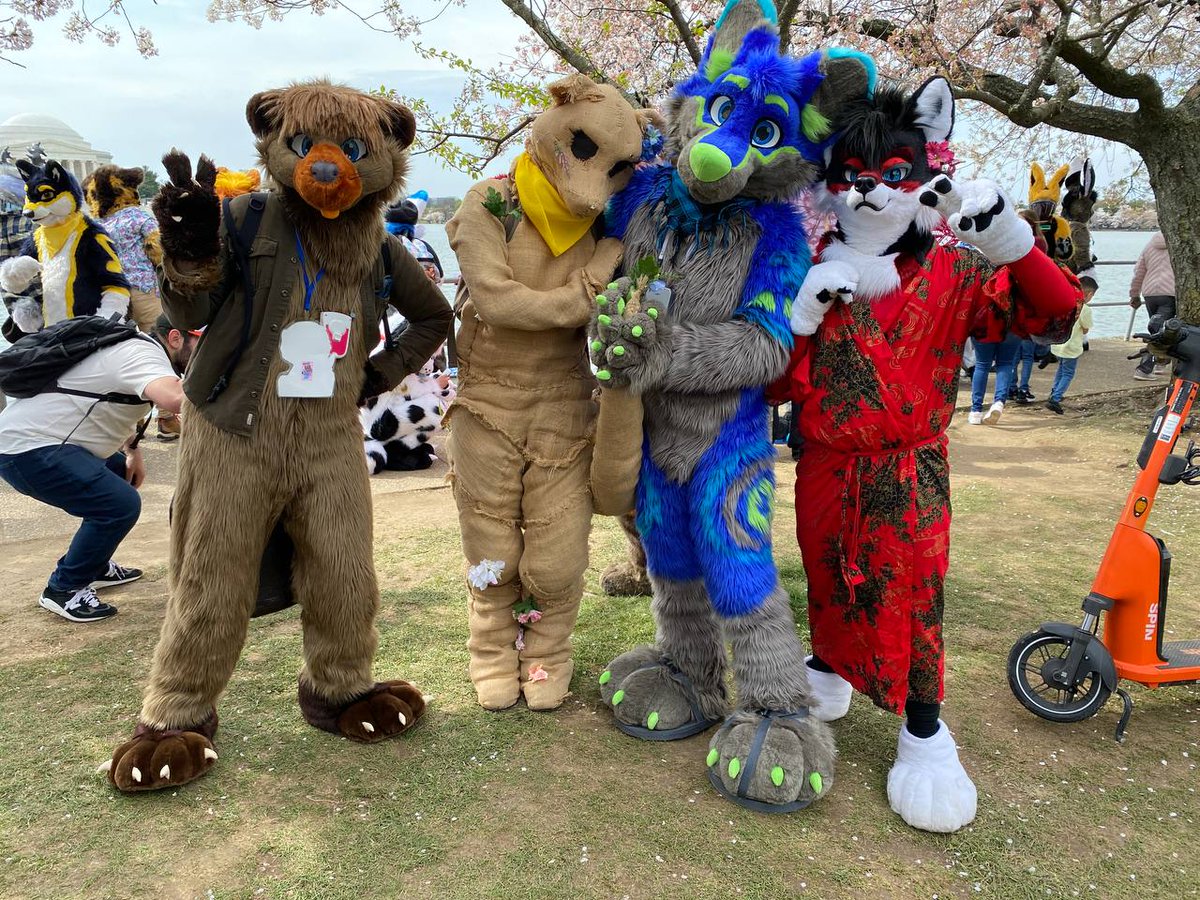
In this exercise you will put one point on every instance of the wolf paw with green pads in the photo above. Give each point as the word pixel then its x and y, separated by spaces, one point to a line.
pixel 794 763
pixel 649 697
pixel 620 342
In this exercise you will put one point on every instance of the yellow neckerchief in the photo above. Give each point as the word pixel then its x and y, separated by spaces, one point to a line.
pixel 560 228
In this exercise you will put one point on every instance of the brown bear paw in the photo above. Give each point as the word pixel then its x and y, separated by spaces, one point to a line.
pixel 388 709
pixel 155 759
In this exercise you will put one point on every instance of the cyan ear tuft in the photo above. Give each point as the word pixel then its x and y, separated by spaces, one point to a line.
pixel 848 76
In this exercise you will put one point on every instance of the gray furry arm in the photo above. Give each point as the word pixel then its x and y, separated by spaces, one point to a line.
pixel 710 359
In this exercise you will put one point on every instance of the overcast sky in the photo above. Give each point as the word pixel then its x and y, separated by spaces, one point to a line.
pixel 193 94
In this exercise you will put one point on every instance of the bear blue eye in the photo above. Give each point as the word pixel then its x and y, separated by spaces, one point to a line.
pixel 354 149
pixel 897 173
pixel 582 146
pixel 301 144
pixel 720 109
pixel 766 135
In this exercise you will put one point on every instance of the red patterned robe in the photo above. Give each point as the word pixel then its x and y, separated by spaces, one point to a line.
pixel 874 389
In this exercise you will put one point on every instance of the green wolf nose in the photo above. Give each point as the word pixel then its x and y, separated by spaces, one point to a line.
pixel 708 163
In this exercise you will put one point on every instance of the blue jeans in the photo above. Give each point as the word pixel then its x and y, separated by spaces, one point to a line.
pixel 1023 364
pixel 1062 378
pixel 1000 353
pixel 84 486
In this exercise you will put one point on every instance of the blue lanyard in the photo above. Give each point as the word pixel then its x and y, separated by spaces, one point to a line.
pixel 310 284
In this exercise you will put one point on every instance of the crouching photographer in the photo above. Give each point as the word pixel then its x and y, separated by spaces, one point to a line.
pixel 69 438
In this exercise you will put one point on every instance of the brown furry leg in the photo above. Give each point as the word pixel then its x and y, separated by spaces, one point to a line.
pixel 558 519
pixel 333 575
pixel 487 489
pixel 222 515
pixel 628 578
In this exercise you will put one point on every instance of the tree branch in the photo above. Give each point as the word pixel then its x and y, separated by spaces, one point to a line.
pixel 1108 78
pixel 576 59
pixel 684 29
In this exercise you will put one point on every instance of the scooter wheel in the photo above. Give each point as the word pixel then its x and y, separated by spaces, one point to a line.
pixel 1032 664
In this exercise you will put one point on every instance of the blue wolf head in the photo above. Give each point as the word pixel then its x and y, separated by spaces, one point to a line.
pixel 753 122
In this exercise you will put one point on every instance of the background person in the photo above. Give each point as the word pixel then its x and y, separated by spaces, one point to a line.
pixel 1068 353
pixel 1154 281
pixel 80 454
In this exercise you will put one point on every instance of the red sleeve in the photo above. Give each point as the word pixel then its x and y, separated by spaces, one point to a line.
pixel 1046 290
pixel 1033 297
pixel 793 383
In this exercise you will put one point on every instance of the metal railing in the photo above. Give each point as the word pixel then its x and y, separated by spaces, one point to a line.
pixel 1133 311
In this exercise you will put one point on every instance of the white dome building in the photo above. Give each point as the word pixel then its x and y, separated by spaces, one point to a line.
pixel 58 139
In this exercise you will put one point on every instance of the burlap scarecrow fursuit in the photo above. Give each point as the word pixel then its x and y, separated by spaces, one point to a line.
pixel 745 136
pixel 291 285
pixel 521 429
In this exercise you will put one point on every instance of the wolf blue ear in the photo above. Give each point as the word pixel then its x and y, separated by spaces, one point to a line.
pixel 27 169
pixel 848 75
pixel 931 109
pixel 739 19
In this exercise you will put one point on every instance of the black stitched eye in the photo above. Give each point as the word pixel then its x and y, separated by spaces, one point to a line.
pixel 582 146
pixel 619 168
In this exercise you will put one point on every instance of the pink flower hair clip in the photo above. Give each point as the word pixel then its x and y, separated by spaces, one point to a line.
pixel 941 158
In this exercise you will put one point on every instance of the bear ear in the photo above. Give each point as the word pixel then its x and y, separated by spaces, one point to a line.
pixel 400 123
pixel 574 88
pixel 26 168
pixel 262 112
pixel 931 109
pixel 132 177
pixel 647 117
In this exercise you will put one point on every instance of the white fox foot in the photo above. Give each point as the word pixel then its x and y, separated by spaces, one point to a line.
pixel 928 787
pixel 831 693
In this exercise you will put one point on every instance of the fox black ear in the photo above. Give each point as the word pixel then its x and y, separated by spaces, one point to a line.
pixel 931 109
pixel 56 173
pixel 26 168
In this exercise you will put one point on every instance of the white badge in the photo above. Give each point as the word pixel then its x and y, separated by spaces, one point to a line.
pixel 311 349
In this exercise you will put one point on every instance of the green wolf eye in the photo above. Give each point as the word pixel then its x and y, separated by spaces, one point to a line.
pixel 720 109
pixel 766 135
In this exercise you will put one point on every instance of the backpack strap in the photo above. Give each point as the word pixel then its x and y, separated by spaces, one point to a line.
pixel 241 239
pixel 384 293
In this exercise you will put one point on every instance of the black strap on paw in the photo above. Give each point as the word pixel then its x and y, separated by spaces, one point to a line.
pixel 741 797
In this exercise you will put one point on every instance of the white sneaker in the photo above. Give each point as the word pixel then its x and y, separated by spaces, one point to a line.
pixel 928 786
pixel 975 418
pixel 994 413
pixel 831 692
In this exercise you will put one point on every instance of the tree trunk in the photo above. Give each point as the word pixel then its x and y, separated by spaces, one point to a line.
pixel 1174 168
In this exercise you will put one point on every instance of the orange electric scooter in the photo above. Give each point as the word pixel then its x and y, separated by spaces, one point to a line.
pixel 1065 673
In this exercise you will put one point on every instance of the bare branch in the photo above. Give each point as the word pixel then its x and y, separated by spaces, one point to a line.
pixel 685 30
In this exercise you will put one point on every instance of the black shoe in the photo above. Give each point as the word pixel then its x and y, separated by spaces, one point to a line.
pixel 76 606
pixel 1055 407
pixel 116 575
pixel 1022 396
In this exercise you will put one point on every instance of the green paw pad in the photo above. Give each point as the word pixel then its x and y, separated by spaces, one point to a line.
pixel 735 766
pixel 612 286
pixel 597 345
pixel 777 776
pixel 815 780
pixel 621 307
pixel 605 677
pixel 618 350
pixel 617 698
pixel 713 755
pixel 601 300
pixel 652 313
pixel 604 375
pixel 604 320
pixel 652 721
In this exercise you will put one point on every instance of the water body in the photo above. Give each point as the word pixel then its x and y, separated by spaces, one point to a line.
pixel 1107 245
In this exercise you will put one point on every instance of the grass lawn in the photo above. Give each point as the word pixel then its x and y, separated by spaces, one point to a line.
pixel 520 804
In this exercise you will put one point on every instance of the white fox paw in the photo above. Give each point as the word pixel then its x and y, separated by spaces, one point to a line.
pixel 980 213
pixel 18 272
pixel 831 694
pixel 928 786
pixel 824 283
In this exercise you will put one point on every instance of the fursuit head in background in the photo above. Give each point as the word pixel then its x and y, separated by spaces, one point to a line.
pixel 745 136
pixel 81 274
